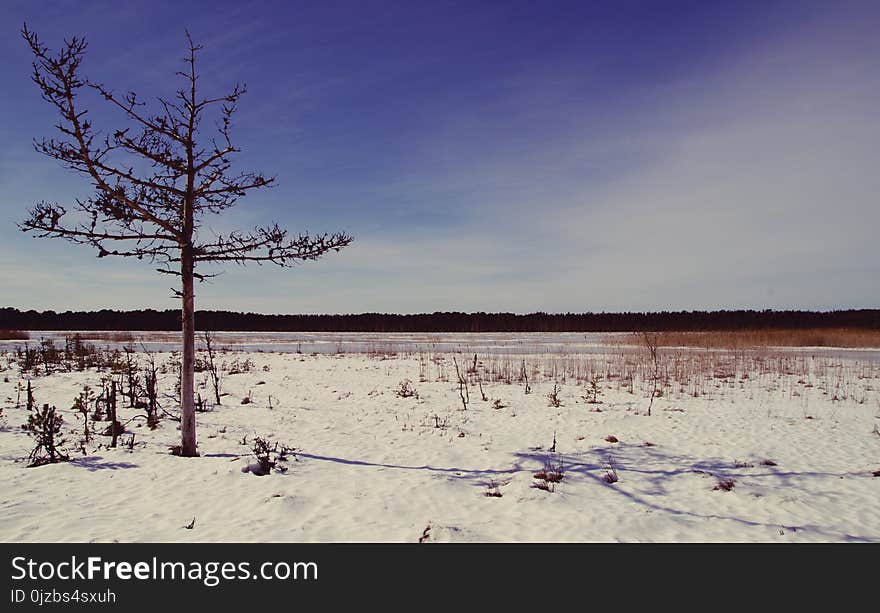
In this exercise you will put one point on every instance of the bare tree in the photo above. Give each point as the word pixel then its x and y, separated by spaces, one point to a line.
pixel 462 386
pixel 213 369
pixel 651 342
pixel 154 180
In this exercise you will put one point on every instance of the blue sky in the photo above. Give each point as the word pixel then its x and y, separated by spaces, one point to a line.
pixel 496 156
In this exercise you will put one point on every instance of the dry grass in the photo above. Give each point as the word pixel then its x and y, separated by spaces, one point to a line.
pixel 550 476
pixel 744 339
pixel 551 473
pixel 108 336
pixel 679 374
pixel 14 335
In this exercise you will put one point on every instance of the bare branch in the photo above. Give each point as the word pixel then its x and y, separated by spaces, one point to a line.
pixel 129 104
pixel 58 80
pixel 270 244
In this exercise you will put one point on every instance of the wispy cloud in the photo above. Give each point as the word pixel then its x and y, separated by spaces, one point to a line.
pixel 476 176
pixel 754 185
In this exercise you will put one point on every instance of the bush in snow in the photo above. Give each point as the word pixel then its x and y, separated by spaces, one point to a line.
pixel 592 393
pixel 269 456
pixel 549 476
pixel 44 425
pixel 724 485
pixel 406 390
pixel 553 397
pixel 610 477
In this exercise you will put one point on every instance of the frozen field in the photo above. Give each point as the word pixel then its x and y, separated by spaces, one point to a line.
pixel 352 342
pixel 772 446
pixel 493 343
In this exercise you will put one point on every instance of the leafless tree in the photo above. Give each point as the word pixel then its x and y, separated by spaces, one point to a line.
pixel 651 343
pixel 213 368
pixel 154 180
pixel 462 386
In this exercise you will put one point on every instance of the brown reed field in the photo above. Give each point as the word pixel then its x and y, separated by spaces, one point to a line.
pixel 741 339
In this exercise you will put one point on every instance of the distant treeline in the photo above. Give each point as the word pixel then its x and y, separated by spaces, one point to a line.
pixel 149 319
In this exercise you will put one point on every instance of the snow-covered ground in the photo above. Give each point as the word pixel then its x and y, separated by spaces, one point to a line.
pixel 797 436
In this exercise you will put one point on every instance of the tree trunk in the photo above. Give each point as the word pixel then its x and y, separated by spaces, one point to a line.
pixel 188 446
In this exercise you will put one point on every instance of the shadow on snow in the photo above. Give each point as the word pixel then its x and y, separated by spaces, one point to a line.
pixel 652 464
pixel 93 463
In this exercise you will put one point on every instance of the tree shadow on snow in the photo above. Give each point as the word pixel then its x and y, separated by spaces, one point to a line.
pixel 464 473
pixel 93 463
pixel 657 471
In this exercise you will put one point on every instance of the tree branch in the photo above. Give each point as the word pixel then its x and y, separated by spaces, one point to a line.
pixel 270 244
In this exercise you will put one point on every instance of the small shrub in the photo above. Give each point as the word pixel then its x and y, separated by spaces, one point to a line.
pixel 724 485
pixel 115 428
pixel 151 390
pixel 612 439
pixel 81 406
pixel 549 476
pixel 497 404
pixel 44 425
pixel 524 377
pixel 100 402
pixel 591 394
pixel 270 456
pixel 406 390
pixel 213 369
pixel 493 491
pixel 553 396
pixel 544 485
pixel 610 476
pixel 237 368
pixel 262 450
